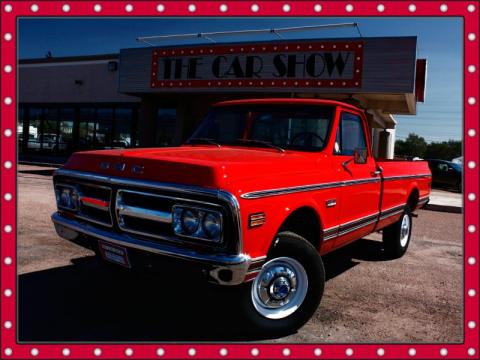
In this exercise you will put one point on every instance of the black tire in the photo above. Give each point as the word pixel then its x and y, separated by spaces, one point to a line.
pixel 394 242
pixel 287 245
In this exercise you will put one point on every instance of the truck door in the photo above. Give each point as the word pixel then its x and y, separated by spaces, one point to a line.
pixel 361 185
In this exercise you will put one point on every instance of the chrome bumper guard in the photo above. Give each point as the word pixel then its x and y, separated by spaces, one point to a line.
pixel 237 265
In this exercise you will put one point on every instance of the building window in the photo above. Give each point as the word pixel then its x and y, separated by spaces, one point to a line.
pixel 123 127
pixel 103 128
pixel 165 127
pixel 86 128
pixel 34 129
pixel 64 141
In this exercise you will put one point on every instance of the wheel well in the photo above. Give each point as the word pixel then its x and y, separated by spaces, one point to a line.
pixel 413 199
pixel 304 222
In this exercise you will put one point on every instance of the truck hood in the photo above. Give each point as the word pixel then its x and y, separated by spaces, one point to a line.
pixel 205 166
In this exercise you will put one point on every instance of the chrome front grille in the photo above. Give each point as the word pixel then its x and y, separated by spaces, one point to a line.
pixel 144 213
pixel 94 203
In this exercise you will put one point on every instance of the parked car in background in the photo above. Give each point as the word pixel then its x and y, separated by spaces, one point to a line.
pixel 446 173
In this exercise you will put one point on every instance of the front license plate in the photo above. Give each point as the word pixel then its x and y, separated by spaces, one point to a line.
pixel 114 253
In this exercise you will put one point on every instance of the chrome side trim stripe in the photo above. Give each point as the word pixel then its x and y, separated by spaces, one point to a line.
pixel 330 185
pixel 303 188
pixel 403 177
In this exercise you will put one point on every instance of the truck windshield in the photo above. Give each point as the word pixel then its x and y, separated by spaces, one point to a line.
pixel 295 127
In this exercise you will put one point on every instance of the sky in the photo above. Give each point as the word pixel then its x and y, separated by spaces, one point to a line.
pixel 440 41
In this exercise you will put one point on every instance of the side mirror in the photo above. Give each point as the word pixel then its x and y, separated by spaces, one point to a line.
pixel 360 156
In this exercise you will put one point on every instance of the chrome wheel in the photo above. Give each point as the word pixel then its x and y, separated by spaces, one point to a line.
pixel 404 230
pixel 280 288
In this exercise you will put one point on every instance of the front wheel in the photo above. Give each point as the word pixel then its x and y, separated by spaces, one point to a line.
pixel 396 237
pixel 288 289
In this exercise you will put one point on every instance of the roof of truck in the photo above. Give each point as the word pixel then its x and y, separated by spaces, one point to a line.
pixel 287 101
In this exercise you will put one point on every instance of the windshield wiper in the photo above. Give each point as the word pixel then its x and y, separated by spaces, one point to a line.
pixel 194 141
pixel 260 142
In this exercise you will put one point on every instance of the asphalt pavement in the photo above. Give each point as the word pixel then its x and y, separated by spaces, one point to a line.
pixel 66 294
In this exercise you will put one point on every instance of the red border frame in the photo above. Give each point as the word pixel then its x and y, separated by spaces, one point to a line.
pixel 469 10
pixel 255 48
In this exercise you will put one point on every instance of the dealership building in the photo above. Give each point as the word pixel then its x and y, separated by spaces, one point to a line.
pixel 155 96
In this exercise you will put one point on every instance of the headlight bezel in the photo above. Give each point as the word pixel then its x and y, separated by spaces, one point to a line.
pixel 75 198
pixel 199 233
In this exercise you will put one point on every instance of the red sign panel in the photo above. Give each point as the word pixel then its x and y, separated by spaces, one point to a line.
pixel 269 65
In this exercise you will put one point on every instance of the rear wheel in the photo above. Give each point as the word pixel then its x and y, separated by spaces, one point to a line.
pixel 288 289
pixel 396 237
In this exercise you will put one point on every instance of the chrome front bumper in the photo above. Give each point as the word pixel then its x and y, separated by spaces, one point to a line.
pixel 223 269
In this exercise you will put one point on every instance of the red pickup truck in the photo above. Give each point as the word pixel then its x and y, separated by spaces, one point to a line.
pixel 259 193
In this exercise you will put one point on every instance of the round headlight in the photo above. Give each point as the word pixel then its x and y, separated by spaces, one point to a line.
pixel 190 221
pixel 212 225
pixel 65 199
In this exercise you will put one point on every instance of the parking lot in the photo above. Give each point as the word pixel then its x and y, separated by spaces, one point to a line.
pixel 65 294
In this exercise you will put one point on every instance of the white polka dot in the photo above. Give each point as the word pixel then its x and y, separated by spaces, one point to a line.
pixel 317 352
pixel 443 352
pixel 471 197
pixel 66 352
pixel 412 352
pixel 471 260
pixel 471 228
pixel 471 8
pixel 223 352
pixel 471 292
pixel 192 352
pixel 254 352
pixel 8 8
pixel 286 8
pixel 7 196
pixel 129 352
pixel 7 100
pixel 8 292
pixel 443 8
pixel 471 324
pixel 380 352
pixel 8 260
pixel 7 68
pixel 471 100
pixel 160 352
pixel 471 37
pixel 471 164
pixel 7 132
pixel 34 7
pixel 97 352
pixel 7 36
pixel 349 7
pixel 34 352
pixel 471 68
pixel 380 8
pixel 66 8
pixel 8 228
pixel 97 8
pixel 412 8
pixel 471 132
pixel 286 352
pixel 8 351
pixel 223 8
pixel 192 8
pixel 471 351
pixel 317 8
pixel 129 8
pixel 8 164
pixel 349 352
pixel 255 8
pixel 8 324
pixel 160 8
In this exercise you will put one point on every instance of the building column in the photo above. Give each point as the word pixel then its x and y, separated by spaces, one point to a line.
pixel 146 122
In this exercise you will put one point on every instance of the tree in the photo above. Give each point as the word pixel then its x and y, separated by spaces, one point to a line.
pixel 413 145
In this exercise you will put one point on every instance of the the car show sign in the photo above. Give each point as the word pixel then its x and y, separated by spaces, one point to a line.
pixel 269 65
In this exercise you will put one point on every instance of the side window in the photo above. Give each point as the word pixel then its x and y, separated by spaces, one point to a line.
pixel 350 135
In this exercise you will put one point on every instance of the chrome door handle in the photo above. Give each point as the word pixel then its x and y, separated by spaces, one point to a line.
pixel 376 172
